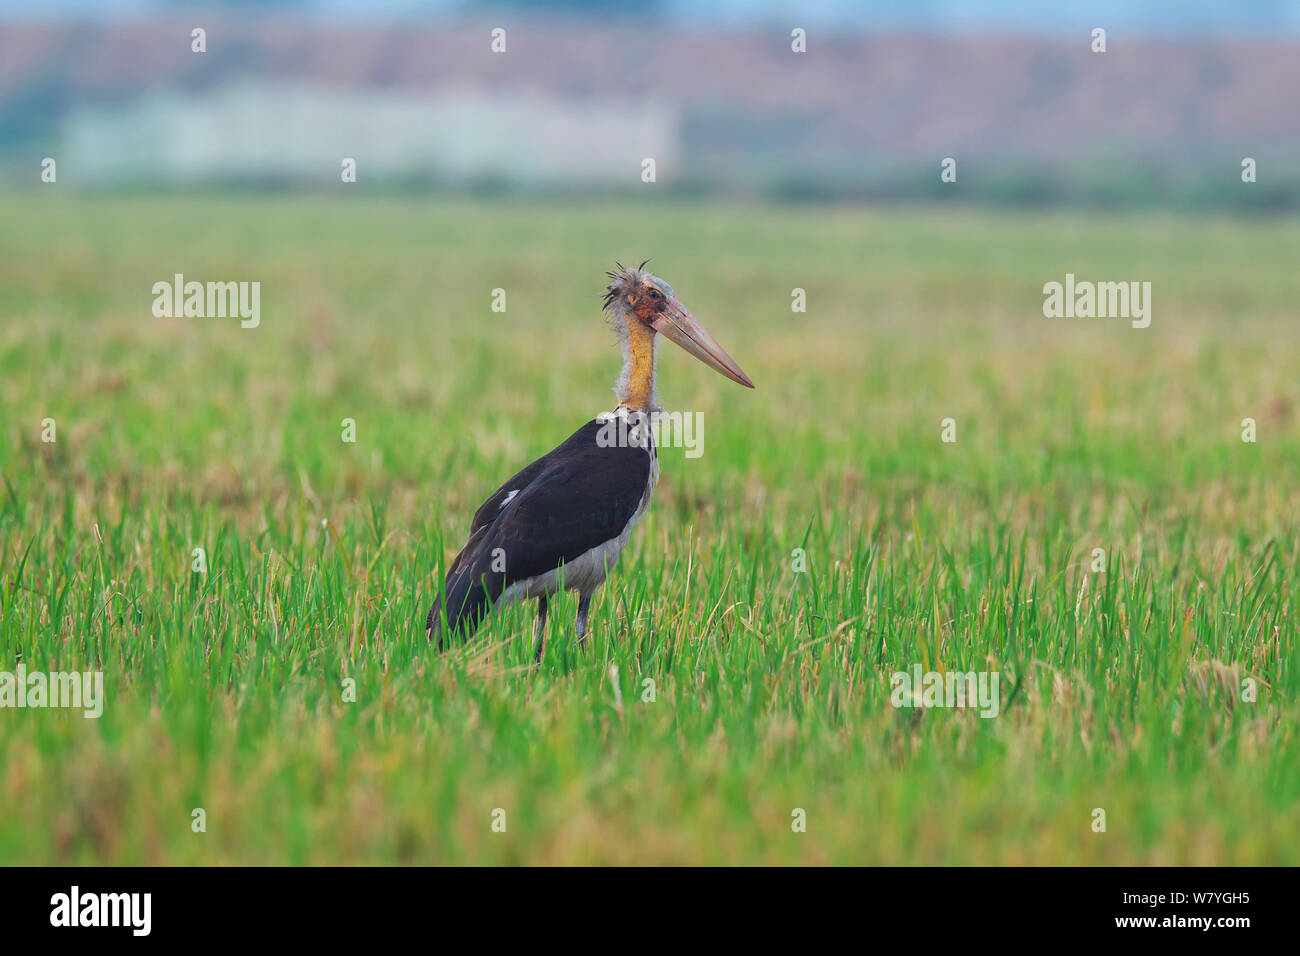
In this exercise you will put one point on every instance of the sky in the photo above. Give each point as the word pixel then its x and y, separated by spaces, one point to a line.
pixel 1148 17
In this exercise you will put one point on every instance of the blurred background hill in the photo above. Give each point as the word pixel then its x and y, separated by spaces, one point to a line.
pixel 712 91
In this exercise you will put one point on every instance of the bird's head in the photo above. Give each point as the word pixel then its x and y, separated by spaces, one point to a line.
pixel 637 296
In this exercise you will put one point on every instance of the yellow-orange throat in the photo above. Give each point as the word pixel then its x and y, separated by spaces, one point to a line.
pixel 636 387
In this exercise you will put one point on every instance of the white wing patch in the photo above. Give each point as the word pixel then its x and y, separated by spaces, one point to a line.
pixel 509 498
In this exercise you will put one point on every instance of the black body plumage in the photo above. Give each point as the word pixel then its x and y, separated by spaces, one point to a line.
pixel 576 498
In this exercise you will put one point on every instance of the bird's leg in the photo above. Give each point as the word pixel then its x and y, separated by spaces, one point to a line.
pixel 539 630
pixel 584 605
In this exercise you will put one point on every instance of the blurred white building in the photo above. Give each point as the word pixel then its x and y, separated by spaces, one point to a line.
pixel 254 130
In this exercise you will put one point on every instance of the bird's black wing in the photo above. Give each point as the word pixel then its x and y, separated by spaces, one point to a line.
pixel 576 498
pixel 490 509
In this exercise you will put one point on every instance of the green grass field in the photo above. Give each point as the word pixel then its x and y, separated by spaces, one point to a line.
pixel 1122 690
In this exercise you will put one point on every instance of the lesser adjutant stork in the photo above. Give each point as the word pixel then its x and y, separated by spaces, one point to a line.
pixel 562 521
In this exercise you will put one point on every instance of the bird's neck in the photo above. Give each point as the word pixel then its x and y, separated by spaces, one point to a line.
pixel 636 386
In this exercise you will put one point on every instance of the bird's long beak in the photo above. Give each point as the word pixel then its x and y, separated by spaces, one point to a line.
pixel 680 326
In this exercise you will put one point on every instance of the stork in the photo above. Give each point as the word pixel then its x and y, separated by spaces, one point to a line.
pixel 562 522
